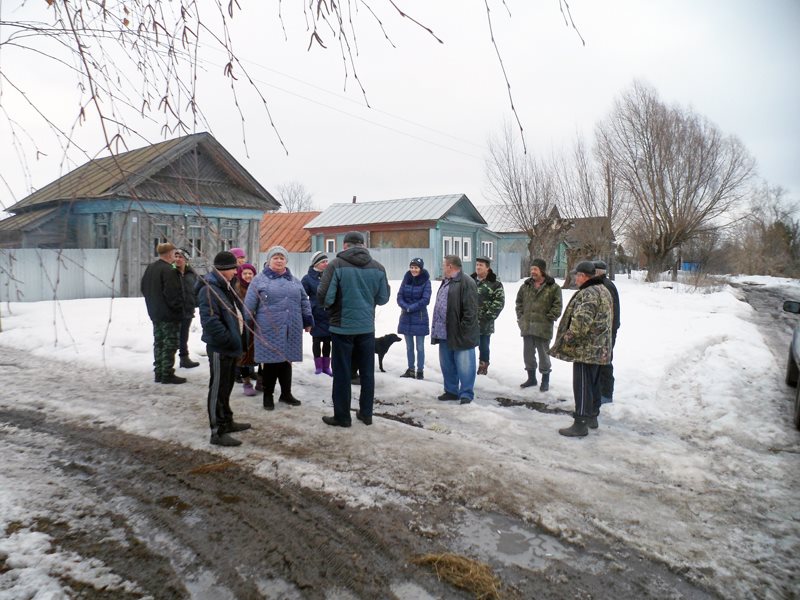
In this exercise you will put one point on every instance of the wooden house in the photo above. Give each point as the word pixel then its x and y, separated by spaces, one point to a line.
pixel 189 191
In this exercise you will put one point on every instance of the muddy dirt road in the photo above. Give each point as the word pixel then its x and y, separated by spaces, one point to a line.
pixel 154 519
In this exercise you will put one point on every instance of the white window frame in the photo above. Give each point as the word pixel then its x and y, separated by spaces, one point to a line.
pixel 330 245
pixel 447 246
pixel 487 250
pixel 466 248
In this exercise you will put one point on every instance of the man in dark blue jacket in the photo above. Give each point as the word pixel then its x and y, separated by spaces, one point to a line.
pixel 607 371
pixel 351 286
pixel 222 319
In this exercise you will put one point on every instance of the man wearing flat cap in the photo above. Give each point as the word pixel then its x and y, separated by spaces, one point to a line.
pixel 163 293
pixel 584 339
pixel 351 286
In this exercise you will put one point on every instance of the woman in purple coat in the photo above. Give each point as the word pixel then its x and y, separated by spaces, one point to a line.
pixel 413 298
pixel 280 306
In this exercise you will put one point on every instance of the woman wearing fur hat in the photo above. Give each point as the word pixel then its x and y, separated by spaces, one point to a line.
pixel 413 298
pixel 281 309
pixel 247 362
pixel 320 334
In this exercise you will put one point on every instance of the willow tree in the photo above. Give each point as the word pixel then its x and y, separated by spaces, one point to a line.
pixel 681 174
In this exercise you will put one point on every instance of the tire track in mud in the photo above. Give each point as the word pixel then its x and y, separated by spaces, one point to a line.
pixel 251 534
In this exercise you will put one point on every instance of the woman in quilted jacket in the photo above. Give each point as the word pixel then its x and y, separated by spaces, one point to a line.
pixel 413 298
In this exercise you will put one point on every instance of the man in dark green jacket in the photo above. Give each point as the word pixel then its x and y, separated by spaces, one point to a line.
pixel 491 300
pixel 538 307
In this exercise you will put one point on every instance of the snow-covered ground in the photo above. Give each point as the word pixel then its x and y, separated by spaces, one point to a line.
pixel 695 463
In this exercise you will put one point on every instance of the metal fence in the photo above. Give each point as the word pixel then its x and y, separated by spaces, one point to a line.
pixel 31 275
pixel 507 267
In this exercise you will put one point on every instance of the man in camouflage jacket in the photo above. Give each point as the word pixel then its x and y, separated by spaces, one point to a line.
pixel 491 300
pixel 584 338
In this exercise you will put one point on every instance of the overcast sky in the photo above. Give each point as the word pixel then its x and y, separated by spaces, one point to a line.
pixel 434 106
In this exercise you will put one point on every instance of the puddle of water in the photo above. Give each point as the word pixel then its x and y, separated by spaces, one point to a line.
pixel 508 541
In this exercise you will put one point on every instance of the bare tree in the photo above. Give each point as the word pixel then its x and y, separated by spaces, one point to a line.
pixel 294 197
pixel 528 189
pixel 591 198
pixel 767 240
pixel 681 174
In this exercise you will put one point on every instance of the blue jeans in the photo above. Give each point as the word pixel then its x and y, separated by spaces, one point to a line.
pixel 420 342
pixel 347 350
pixel 483 347
pixel 458 370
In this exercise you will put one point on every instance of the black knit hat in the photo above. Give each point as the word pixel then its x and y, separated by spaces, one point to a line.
pixel 225 261
pixel 417 262
pixel 539 262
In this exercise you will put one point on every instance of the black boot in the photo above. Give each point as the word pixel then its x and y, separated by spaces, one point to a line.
pixel 188 363
pixel 269 403
pixel 577 429
pixel 545 382
pixel 531 379
pixel 409 374
pixel 591 422
pixel 285 380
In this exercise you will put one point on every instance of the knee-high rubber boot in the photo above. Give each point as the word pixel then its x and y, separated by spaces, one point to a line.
pixel 326 366
pixel 531 381
pixel 545 382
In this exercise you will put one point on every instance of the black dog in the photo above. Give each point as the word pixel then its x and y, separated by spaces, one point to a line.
pixel 382 345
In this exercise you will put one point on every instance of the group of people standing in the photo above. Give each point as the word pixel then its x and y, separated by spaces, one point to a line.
pixel 256 320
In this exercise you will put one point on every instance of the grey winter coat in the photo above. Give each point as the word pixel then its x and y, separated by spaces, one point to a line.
pixel 281 310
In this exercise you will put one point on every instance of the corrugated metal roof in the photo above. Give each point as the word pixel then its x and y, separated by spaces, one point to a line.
pixel 498 218
pixel 116 176
pixel 23 221
pixel 427 208
pixel 287 230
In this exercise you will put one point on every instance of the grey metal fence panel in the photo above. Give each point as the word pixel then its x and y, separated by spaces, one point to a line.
pixel 507 266
pixel 32 275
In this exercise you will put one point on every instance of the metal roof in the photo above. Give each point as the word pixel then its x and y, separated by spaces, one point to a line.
pixel 499 218
pixel 286 229
pixel 145 170
pixel 22 222
pixel 426 208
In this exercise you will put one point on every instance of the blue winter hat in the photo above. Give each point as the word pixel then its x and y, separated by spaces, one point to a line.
pixel 417 262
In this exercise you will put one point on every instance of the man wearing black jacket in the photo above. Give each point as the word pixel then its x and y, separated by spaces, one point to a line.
pixel 607 371
pixel 455 329
pixel 163 294
pixel 221 315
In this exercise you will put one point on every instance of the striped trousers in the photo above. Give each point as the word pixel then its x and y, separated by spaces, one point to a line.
pixel 220 385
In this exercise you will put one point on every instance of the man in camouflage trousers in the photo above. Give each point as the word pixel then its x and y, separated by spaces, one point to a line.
pixel 491 300
pixel 163 294
pixel 584 338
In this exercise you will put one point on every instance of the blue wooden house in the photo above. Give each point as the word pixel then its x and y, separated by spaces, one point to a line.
pixel 189 191
pixel 441 225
